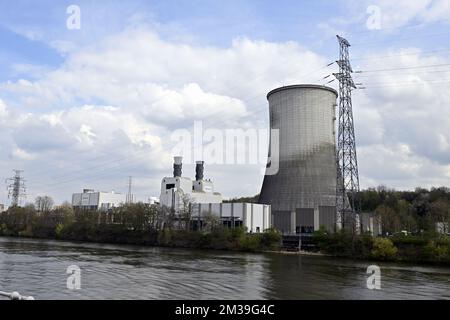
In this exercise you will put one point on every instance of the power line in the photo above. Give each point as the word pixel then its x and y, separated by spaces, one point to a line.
pixel 422 72
pixel 421 24
pixel 406 83
pixel 369 43
pixel 419 53
pixel 404 68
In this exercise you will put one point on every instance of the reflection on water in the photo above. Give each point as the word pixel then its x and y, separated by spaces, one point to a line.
pixel 38 268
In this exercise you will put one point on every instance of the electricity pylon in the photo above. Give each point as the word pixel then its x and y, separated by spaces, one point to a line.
pixel 347 187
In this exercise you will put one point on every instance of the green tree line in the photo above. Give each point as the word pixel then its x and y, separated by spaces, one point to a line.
pixel 137 223
pixel 415 211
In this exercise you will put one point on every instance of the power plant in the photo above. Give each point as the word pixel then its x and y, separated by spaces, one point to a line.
pixel 181 194
pixel 311 179
pixel 303 191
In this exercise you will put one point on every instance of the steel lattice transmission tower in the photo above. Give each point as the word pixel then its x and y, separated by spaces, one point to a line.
pixel 16 188
pixel 129 198
pixel 347 187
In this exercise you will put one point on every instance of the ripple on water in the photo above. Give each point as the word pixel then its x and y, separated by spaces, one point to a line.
pixel 38 268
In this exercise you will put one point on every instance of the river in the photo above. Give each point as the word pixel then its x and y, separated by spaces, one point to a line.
pixel 38 268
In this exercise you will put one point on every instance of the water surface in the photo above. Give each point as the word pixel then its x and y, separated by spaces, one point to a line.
pixel 38 268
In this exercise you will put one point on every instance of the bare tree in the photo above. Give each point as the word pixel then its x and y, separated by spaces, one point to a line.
pixel 210 221
pixel 440 214
pixel 186 211
pixel 43 203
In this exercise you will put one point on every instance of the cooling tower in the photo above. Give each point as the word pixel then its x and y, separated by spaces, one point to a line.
pixel 303 191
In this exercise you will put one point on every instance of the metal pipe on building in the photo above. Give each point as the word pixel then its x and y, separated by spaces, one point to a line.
pixel 177 166
pixel 199 168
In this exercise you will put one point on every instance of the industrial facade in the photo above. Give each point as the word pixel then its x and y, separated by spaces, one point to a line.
pixel 303 191
pixel 255 217
pixel 198 196
pixel 91 200
pixel 175 190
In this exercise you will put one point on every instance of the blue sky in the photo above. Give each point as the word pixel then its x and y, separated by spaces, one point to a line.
pixel 29 27
pixel 220 55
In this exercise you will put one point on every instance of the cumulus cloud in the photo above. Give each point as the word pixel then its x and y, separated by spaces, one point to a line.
pixel 402 120
pixel 3 111
pixel 108 112
pixel 119 100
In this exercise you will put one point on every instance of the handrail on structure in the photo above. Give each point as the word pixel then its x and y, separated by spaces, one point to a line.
pixel 15 296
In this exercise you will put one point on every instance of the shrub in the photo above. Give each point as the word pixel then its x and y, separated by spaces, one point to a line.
pixel 28 232
pixel 271 239
pixel 59 230
pixel 250 242
pixel 434 251
pixel 383 249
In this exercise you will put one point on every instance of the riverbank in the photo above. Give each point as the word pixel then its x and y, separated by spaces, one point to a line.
pixel 430 249
pixel 298 253
pixel 137 224
pixel 219 239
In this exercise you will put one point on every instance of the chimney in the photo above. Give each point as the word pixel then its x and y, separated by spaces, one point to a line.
pixel 199 170
pixel 177 164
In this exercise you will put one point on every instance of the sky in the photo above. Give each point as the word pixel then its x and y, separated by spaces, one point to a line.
pixel 88 107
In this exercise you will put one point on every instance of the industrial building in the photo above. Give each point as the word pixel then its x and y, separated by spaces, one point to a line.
pixel 97 200
pixel 371 223
pixel 2 207
pixel 303 191
pixel 255 217
pixel 198 196
pixel 178 189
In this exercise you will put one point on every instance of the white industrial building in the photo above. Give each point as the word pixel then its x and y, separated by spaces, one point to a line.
pixel 255 217
pixel 2 207
pixel 177 189
pixel 97 200
pixel 199 197
pixel 371 223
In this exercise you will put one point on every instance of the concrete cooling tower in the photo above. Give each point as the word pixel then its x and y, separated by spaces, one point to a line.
pixel 303 191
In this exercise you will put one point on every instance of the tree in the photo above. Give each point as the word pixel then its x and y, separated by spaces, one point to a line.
pixel 407 216
pixel 186 211
pixel 440 214
pixel 43 203
pixel 389 218
pixel 210 221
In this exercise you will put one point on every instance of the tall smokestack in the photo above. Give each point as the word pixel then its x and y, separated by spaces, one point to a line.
pixel 199 170
pixel 177 164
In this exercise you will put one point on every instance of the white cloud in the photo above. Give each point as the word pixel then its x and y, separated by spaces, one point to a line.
pixel 125 95
pixel 108 112
pixel 3 111
pixel 22 154
pixel 402 121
